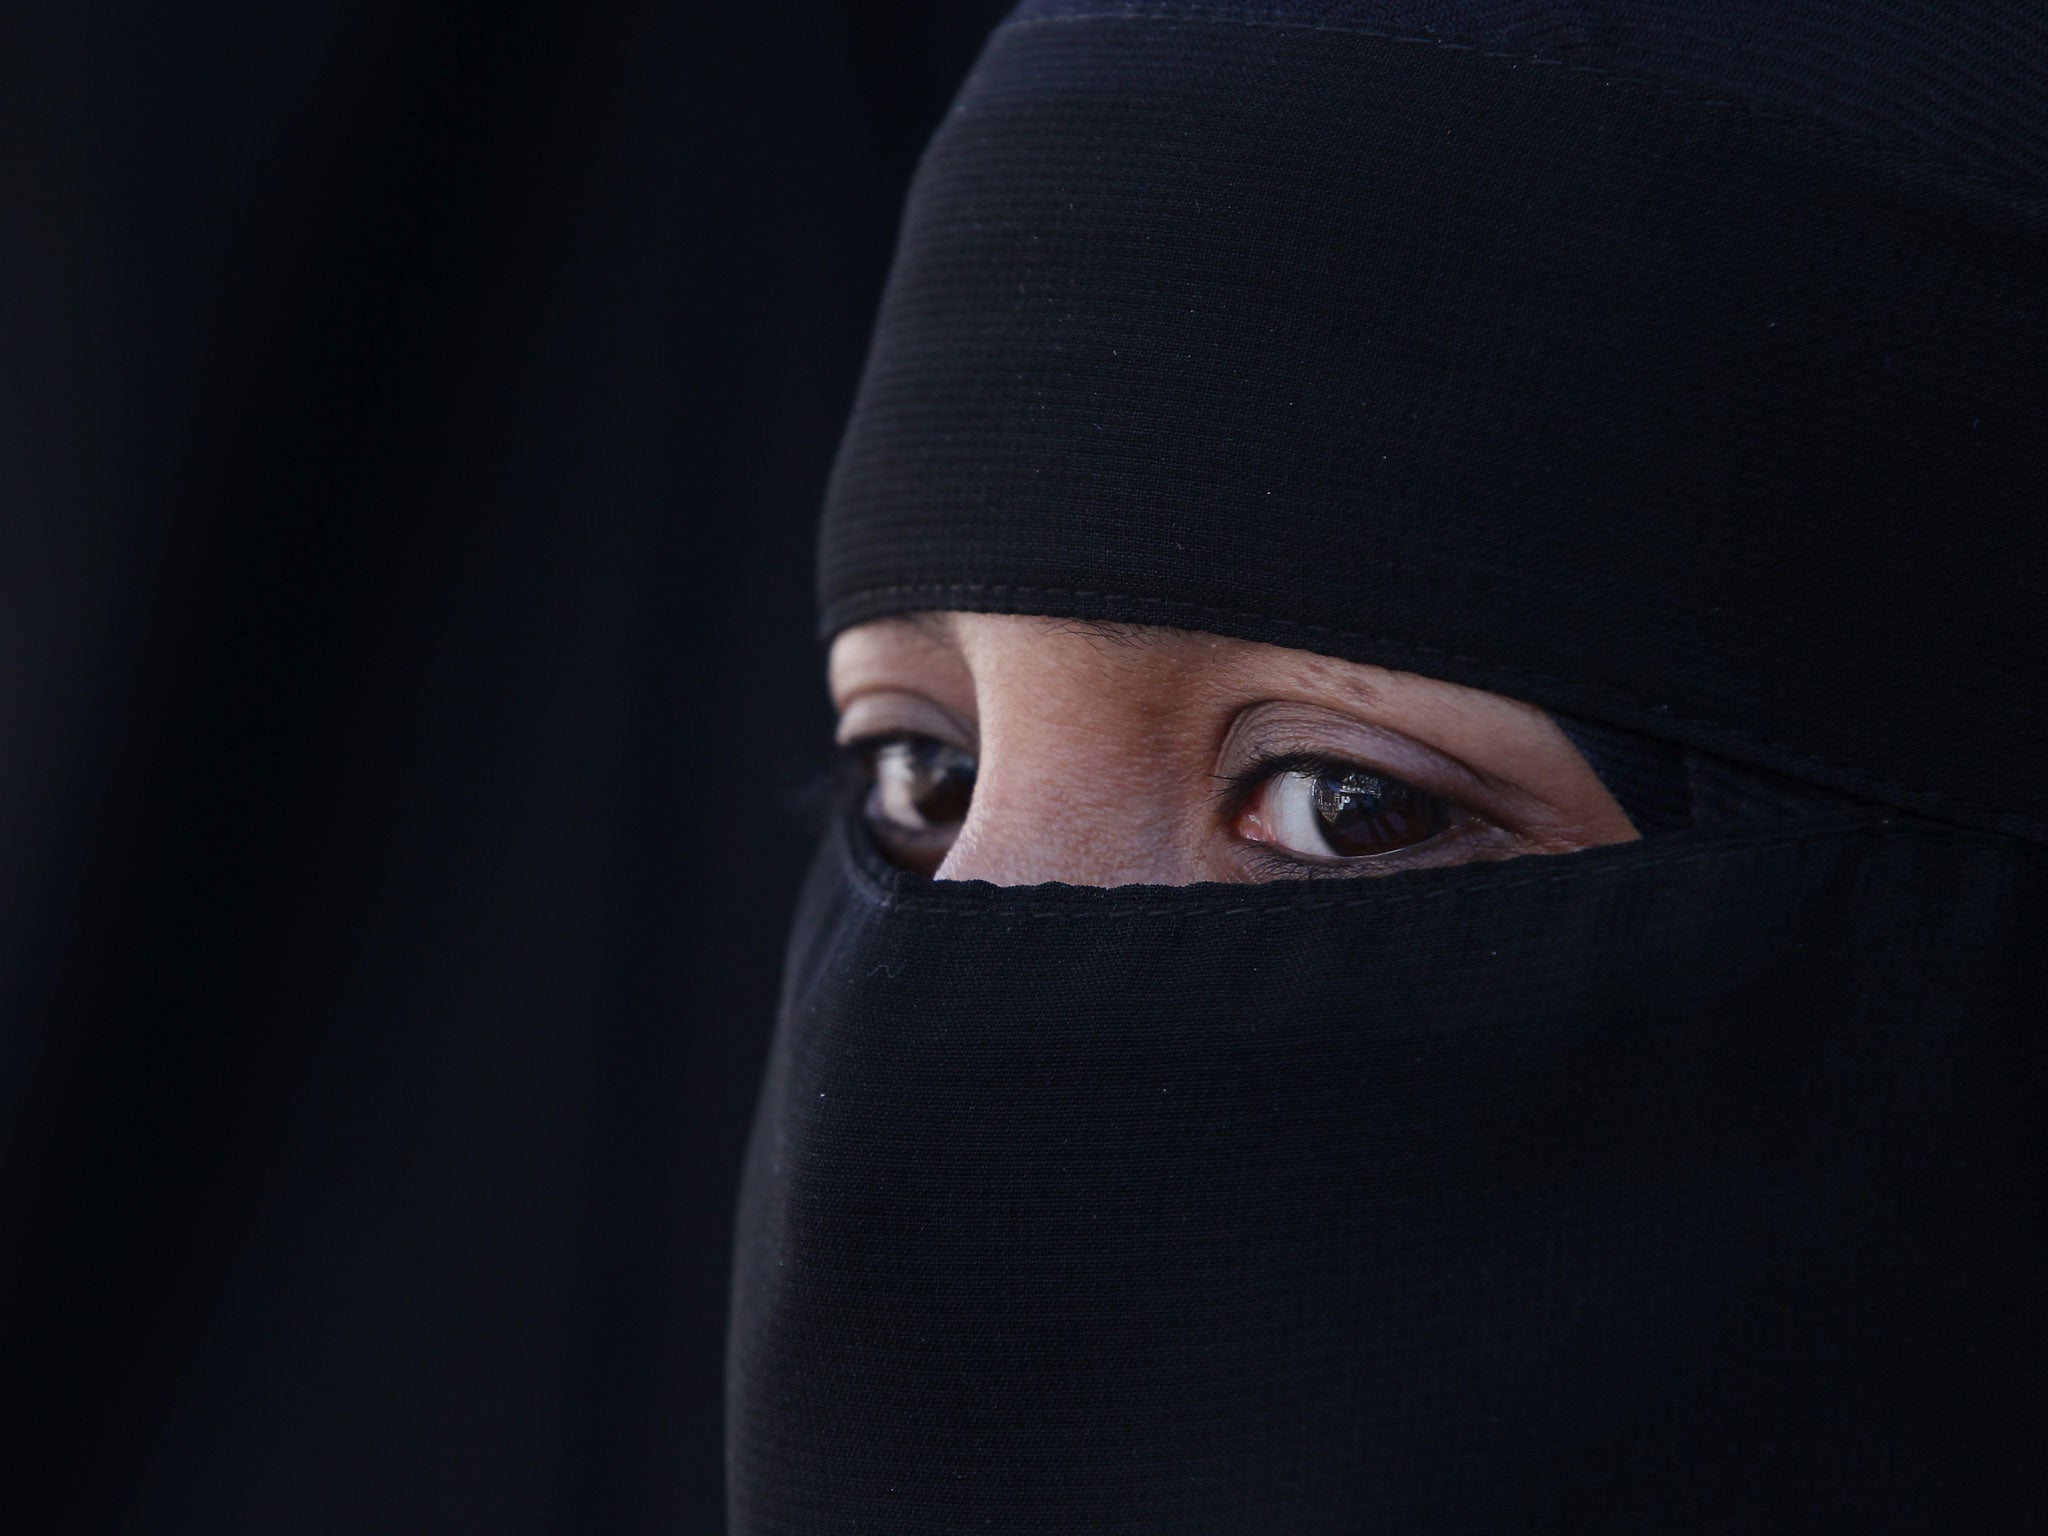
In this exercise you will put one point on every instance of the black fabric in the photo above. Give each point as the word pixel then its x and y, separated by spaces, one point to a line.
pixel 1966 81
pixel 1690 1185
pixel 1646 776
pixel 1624 399
pixel 1663 786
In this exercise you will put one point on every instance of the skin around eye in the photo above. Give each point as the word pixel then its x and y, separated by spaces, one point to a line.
pixel 919 792
pixel 1021 750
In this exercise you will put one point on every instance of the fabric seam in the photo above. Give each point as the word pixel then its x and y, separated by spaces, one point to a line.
pixel 878 881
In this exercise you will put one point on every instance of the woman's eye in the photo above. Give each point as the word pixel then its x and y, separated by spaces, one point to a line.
pixel 921 787
pixel 1337 811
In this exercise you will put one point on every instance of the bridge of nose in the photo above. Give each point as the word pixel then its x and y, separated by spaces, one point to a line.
pixel 1112 801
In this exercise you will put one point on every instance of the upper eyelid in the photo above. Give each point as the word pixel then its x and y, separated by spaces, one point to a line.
pixel 1231 786
pixel 866 745
pixel 958 732
pixel 1267 734
pixel 1425 777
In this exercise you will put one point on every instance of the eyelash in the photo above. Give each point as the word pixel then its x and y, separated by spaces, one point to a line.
pixel 1237 788
pixel 853 762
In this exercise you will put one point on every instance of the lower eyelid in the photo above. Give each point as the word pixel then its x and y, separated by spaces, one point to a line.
pixel 1470 839
pixel 1270 864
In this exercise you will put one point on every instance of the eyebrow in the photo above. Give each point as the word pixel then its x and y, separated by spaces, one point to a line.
pixel 939 625
pixel 1129 637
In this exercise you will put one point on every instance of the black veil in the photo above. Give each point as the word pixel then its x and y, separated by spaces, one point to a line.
pixel 1679 370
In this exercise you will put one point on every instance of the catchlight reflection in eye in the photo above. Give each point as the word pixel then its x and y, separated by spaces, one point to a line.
pixel 919 794
pixel 1339 811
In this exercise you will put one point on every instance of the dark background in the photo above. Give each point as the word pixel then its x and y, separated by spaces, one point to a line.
pixel 413 422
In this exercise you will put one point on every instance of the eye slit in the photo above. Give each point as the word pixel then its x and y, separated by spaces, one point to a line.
pixel 1330 811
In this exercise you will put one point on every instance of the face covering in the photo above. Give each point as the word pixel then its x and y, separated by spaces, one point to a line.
pixel 1686 1185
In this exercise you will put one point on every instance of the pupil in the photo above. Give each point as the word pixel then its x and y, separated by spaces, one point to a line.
pixel 1362 813
pixel 944 783
pixel 921 785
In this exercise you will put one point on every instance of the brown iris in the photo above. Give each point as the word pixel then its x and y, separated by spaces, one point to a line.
pixel 1359 813
pixel 921 785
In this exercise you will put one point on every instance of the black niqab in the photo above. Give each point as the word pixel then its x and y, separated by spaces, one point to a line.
pixel 1685 1185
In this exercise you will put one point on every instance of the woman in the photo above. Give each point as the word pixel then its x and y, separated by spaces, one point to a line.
pixel 1309 442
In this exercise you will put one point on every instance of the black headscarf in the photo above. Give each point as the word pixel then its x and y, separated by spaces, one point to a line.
pixel 1683 370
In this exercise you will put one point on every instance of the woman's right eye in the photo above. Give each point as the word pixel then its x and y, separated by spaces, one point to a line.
pixel 918 795
pixel 1340 812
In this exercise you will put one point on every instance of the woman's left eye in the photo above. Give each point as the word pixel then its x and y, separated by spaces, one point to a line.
pixel 1340 811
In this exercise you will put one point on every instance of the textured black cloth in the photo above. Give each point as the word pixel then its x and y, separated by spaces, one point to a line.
pixel 1966 80
pixel 1690 1185
pixel 1663 786
pixel 1653 408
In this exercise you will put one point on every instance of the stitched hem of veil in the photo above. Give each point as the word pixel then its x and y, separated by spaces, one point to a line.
pixel 894 887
